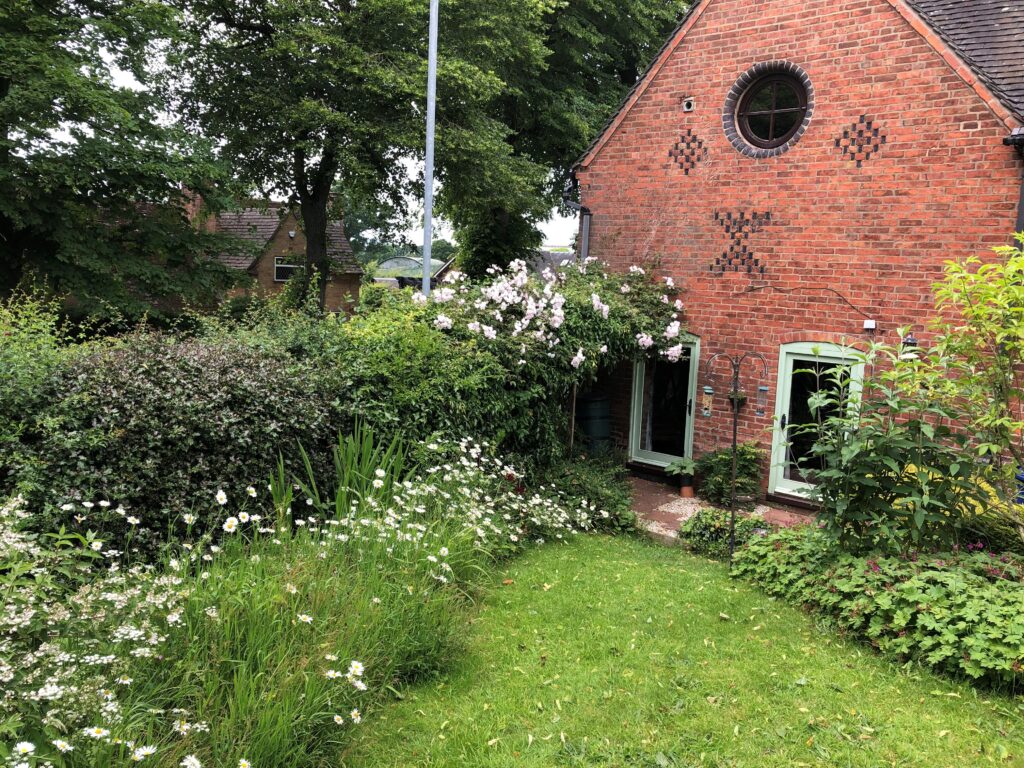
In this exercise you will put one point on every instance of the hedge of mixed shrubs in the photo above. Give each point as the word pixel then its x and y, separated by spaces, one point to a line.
pixel 157 420
pixel 960 612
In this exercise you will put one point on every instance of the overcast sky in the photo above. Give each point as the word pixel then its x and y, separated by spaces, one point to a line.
pixel 559 230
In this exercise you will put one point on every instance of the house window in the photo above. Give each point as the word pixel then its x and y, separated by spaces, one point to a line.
pixel 771 110
pixel 768 108
pixel 283 269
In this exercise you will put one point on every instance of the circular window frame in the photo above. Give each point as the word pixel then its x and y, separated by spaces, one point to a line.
pixel 733 121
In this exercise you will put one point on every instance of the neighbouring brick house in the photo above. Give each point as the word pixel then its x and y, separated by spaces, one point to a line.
pixel 281 249
pixel 801 169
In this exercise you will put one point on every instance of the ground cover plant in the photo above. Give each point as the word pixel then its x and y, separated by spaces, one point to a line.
pixel 959 612
pixel 714 472
pixel 270 638
pixel 616 652
pixel 707 532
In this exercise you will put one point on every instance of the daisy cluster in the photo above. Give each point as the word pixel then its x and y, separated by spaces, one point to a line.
pixel 85 625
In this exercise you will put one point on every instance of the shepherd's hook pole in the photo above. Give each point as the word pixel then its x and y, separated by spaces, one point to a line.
pixel 428 170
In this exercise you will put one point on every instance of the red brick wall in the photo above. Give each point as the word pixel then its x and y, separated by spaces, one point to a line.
pixel 342 290
pixel 942 186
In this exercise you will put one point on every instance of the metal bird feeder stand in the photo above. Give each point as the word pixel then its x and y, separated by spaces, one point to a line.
pixel 736 399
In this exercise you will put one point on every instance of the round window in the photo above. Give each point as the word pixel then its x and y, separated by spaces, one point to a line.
pixel 771 110
pixel 768 108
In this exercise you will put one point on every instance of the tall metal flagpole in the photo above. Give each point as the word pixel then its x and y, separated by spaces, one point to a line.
pixel 428 171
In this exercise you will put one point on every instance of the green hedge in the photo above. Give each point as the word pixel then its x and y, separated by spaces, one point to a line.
pixel 961 613
pixel 158 425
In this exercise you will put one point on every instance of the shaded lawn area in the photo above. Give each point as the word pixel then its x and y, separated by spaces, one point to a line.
pixel 616 652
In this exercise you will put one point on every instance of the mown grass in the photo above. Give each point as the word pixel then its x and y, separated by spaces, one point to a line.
pixel 615 652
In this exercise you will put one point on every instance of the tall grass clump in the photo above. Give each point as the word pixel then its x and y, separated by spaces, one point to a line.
pixel 275 622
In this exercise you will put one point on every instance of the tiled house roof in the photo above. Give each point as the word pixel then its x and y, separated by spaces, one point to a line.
pixel 340 249
pixel 989 36
pixel 258 225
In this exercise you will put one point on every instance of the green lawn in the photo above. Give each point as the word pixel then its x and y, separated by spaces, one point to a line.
pixel 615 652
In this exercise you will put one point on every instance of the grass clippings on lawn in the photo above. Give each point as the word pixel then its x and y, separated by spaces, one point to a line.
pixel 614 652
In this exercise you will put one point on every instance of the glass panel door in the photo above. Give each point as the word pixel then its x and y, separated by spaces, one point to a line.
pixel 804 369
pixel 661 429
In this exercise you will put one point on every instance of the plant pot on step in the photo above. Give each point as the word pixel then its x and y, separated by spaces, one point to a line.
pixel 686 486
pixel 684 470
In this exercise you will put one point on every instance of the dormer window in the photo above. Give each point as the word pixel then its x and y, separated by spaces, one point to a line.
pixel 284 269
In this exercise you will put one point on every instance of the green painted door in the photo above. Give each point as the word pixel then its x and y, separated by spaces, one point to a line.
pixel 804 369
pixel 661 427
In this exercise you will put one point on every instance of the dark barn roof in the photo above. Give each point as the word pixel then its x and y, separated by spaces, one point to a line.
pixel 989 36
pixel 258 225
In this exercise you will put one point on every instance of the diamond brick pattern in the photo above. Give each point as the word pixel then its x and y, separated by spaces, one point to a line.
pixel 739 255
pixel 688 151
pixel 861 140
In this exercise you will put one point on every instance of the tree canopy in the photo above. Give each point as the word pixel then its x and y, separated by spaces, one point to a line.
pixel 303 96
pixel 92 183
pixel 595 50
pixel 114 112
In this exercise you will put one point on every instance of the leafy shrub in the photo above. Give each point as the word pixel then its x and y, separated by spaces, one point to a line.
pixel 890 469
pixel 599 484
pixel 31 342
pixel 398 374
pixel 707 532
pixel 496 360
pixel 152 424
pixel 715 472
pixel 960 613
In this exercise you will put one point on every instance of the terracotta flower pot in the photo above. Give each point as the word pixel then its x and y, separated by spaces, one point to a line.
pixel 686 491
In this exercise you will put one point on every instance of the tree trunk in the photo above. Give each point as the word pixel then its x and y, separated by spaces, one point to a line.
pixel 314 193
pixel 313 209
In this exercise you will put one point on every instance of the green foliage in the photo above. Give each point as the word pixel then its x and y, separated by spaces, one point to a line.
pixel 976 368
pixel 599 484
pixel 593 52
pixel 31 341
pixel 92 200
pixel 707 532
pixel 399 374
pixel 890 466
pixel 714 470
pixel 154 424
pixel 684 468
pixel 488 237
pixel 961 613
pixel 334 98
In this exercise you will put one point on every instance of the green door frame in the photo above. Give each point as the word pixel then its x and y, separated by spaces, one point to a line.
pixel 691 345
pixel 788 355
